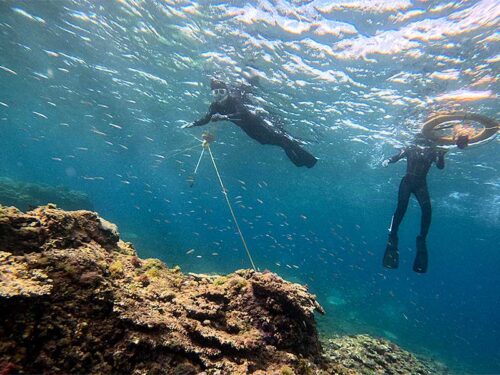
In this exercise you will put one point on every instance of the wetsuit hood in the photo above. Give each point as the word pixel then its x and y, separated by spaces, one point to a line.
pixel 216 84
pixel 220 91
pixel 422 141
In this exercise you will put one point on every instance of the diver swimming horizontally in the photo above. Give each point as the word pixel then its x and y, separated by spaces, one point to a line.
pixel 419 160
pixel 230 105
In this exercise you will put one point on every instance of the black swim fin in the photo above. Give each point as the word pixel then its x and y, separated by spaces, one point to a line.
pixel 391 256
pixel 420 263
pixel 299 156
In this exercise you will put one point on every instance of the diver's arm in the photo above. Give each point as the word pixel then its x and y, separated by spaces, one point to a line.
pixel 205 119
pixel 394 158
pixel 398 157
pixel 236 116
pixel 440 159
pixel 230 117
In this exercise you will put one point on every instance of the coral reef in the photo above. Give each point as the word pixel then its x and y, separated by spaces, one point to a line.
pixel 26 195
pixel 364 354
pixel 74 298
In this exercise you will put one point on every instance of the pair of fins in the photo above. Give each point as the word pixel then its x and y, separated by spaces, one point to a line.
pixel 391 256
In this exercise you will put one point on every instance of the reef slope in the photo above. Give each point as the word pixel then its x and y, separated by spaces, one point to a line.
pixel 26 195
pixel 74 298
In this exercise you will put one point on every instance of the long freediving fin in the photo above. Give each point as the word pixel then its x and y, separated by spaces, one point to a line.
pixel 391 255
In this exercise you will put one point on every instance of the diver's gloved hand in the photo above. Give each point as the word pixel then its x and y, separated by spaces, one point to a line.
pixel 188 125
pixel 385 163
pixel 219 117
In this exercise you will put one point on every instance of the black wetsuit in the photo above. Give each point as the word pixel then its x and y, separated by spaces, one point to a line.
pixel 257 128
pixel 419 161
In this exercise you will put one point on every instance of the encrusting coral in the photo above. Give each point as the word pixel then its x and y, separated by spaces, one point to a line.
pixel 74 298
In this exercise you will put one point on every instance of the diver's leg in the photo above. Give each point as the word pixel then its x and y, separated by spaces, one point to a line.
pixel 266 136
pixel 391 255
pixel 424 200
pixel 421 259
pixel 403 199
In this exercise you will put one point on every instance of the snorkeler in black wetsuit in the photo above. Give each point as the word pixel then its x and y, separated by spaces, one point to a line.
pixel 230 106
pixel 419 160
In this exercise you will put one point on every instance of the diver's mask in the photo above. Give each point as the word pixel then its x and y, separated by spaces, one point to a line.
pixel 220 94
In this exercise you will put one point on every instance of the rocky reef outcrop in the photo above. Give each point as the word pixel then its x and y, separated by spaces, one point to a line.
pixel 74 298
pixel 364 354
pixel 25 195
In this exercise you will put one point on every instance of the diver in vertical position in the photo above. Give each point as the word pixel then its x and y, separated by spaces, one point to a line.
pixel 419 159
pixel 230 105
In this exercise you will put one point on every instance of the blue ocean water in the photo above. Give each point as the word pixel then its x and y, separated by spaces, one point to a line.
pixel 93 95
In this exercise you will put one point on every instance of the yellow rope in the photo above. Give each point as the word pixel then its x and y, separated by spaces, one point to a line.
pixel 231 208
